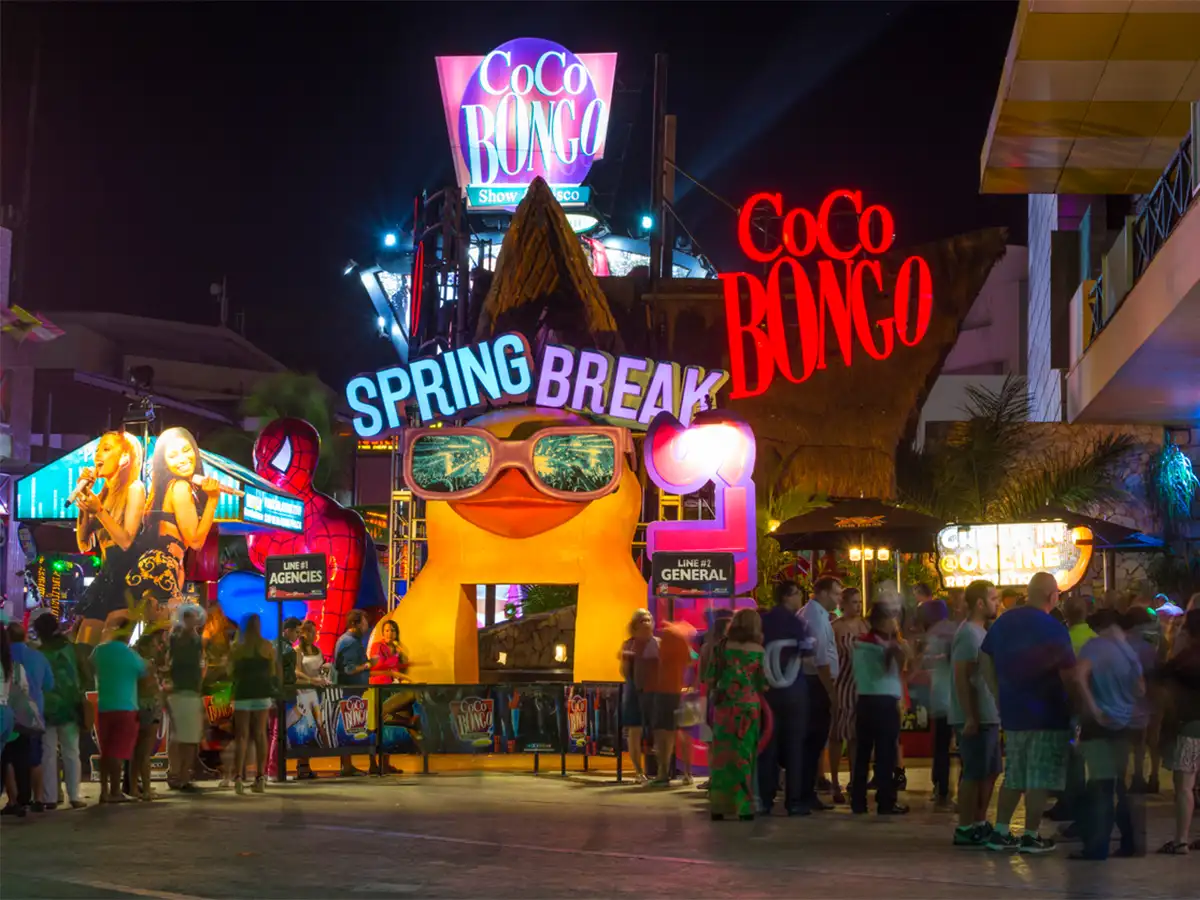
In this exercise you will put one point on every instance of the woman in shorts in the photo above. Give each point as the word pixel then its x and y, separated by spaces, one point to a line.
pixel 252 667
pixel 1180 677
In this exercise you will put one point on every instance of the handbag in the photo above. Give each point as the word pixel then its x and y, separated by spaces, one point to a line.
pixel 27 719
pixel 692 711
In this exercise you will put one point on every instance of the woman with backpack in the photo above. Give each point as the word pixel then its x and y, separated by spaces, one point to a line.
pixel 15 703
pixel 64 712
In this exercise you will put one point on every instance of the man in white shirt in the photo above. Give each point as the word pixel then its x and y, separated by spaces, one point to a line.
pixel 820 671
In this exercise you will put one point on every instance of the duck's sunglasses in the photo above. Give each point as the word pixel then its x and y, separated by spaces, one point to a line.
pixel 577 463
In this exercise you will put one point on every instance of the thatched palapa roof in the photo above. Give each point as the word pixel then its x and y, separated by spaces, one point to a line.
pixel 543 286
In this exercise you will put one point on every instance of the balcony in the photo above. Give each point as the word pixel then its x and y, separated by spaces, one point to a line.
pixel 1135 327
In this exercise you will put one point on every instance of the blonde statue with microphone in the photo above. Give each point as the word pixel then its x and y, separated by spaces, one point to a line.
pixel 179 515
pixel 109 521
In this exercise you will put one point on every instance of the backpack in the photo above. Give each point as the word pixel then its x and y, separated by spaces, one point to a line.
pixel 62 702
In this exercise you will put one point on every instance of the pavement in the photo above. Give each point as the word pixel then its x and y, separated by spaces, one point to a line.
pixel 523 835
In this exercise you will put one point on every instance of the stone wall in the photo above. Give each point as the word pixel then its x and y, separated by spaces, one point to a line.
pixel 1132 477
pixel 528 643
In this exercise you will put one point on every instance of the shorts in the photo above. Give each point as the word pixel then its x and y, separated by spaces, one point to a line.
pixel 1183 754
pixel 187 717
pixel 1037 760
pixel 149 714
pixel 117 732
pixel 254 704
pixel 35 748
pixel 980 753
pixel 658 710
pixel 1105 753
pixel 631 708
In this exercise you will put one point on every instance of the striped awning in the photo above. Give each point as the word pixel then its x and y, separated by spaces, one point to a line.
pixel 1095 96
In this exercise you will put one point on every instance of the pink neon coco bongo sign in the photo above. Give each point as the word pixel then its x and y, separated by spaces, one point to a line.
pixel 528 108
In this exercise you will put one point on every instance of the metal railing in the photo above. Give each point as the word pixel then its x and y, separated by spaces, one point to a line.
pixel 1143 236
pixel 1164 207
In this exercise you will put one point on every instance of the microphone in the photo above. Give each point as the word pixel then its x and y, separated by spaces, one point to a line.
pixel 81 487
pixel 198 480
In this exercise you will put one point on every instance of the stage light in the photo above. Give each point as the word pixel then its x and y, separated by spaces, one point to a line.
pixel 390 239
pixel 647 222
pixel 382 324
pixel 349 267
pixel 395 329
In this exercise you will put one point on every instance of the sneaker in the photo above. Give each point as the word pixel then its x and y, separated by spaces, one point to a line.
pixel 1035 843
pixel 259 785
pixel 239 786
pixel 967 836
pixel 973 836
pixel 1003 843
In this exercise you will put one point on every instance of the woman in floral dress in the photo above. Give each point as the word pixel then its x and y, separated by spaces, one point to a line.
pixel 735 679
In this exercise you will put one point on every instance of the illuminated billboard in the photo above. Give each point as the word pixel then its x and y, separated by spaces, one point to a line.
pixel 43 495
pixel 1009 555
pixel 528 108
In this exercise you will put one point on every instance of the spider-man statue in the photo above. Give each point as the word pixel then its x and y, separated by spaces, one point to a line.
pixel 286 454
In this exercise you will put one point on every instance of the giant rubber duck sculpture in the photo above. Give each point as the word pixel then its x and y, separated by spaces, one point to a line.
pixel 286 454
pixel 513 532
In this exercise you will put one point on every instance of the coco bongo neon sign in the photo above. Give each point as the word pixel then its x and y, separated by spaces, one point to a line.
pixel 838 301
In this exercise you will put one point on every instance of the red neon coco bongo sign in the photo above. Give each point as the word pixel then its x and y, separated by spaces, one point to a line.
pixel 837 303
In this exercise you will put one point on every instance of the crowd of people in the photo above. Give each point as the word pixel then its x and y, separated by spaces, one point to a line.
pixel 1062 699
pixel 137 670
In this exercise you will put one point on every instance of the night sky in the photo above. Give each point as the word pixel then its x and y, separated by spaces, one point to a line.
pixel 177 143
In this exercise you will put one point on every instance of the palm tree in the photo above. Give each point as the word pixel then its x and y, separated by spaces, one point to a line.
pixel 978 473
pixel 776 505
pixel 287 394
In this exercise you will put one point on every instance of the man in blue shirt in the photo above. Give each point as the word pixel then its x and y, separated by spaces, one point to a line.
pixel 1027 660
pixel 1111 686
pixel 820 673
pixel 351 667
pixel 41 680
pixel 786 640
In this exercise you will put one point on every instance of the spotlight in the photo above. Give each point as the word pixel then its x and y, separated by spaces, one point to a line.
pixel 349 267
pixel 647 222
pixel 390 239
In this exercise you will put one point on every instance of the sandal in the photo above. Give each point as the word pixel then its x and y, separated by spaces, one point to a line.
pixel 1174 848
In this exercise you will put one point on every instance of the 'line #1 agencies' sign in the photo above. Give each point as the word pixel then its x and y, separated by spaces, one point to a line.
pixel 300 577
pixel 692 575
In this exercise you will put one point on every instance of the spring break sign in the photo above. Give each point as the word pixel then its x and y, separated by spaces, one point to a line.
pixel 530 107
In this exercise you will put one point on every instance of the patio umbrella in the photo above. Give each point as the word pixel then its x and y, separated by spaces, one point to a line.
pixel 855 522
pixel 1105 535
